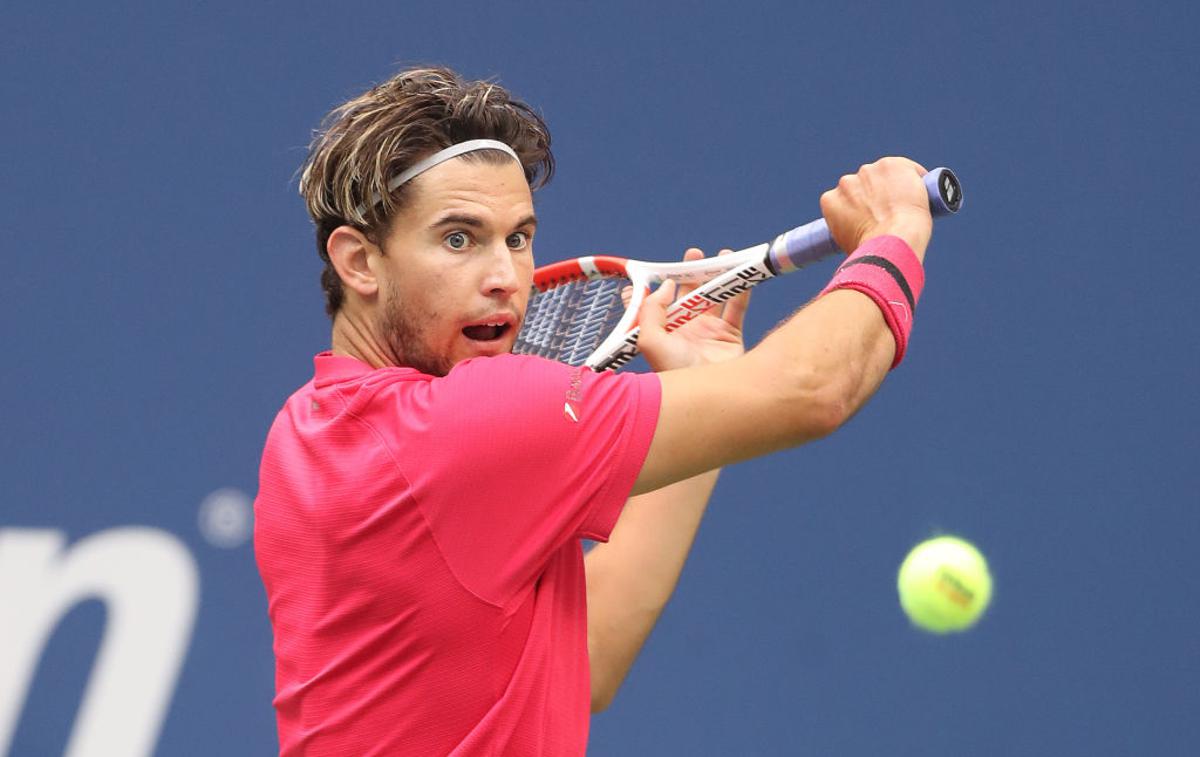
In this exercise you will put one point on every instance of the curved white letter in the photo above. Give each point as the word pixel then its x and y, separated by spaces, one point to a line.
pixel 148 582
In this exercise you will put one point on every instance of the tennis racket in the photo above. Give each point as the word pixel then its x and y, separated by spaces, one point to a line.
pixel 576 314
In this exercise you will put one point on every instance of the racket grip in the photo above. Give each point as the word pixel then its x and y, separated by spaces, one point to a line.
pixel 812 241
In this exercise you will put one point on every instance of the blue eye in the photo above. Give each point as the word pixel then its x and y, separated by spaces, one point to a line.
pixel 457 240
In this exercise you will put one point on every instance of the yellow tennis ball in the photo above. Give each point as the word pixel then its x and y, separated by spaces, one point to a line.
pixel 944 584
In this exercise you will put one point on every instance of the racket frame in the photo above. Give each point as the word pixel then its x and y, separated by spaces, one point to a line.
pixel 718 278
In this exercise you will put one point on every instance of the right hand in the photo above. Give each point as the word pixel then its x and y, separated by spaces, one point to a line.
pixel 885 197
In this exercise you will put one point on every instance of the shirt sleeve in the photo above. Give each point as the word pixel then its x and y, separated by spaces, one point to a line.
pixel 512 456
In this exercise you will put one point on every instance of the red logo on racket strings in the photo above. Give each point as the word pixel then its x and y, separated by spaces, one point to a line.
pixel 574 396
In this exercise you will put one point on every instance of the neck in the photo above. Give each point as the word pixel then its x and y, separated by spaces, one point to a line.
pixel 352 337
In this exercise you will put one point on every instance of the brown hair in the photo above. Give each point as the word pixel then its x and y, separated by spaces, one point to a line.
pixel 367 141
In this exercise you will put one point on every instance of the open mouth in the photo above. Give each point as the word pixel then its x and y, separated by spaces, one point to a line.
pixel 486 332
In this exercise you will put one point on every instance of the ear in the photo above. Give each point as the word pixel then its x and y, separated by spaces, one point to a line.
pixel 350 252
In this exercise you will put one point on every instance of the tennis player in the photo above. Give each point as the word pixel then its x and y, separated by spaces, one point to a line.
pixel 424 496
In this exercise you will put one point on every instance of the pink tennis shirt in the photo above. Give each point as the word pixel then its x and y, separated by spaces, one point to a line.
pixel 419 539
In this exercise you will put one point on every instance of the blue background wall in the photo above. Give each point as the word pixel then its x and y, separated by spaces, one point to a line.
pixel 159 302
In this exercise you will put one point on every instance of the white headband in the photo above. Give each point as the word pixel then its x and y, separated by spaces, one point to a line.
pixel 453 151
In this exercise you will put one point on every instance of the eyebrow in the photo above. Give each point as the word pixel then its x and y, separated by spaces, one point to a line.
pixel 464 219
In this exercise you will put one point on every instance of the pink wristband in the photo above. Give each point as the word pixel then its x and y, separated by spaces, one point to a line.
pixel 886 270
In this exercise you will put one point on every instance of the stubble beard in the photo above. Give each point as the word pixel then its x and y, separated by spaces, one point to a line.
pixel 403 329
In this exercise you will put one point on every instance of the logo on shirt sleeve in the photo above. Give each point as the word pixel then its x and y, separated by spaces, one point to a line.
pixel 571 407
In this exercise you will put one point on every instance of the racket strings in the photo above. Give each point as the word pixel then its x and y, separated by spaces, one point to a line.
pixel 568 322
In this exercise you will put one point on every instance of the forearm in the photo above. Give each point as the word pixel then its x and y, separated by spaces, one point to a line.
pixel 800 383
pixel 832 356
pixel 813 373
pixel 630 578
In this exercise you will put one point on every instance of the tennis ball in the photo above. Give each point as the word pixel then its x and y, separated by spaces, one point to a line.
pixel 944 584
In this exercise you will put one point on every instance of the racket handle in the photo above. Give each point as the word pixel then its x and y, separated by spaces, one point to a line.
pixel 812 241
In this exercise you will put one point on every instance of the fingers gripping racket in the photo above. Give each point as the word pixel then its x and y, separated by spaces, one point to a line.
pixel 576 314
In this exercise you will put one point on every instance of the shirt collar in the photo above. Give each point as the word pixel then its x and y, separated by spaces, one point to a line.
pixel 329 368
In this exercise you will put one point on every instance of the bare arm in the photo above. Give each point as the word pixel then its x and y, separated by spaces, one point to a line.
pixel 808 376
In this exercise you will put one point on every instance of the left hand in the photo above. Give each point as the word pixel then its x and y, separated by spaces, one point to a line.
pixel 711 337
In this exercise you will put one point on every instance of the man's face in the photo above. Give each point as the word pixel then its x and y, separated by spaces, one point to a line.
pixel 458 266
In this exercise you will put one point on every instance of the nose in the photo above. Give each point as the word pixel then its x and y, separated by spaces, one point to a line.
pixel 502 276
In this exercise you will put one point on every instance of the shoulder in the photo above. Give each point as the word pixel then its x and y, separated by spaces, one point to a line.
pixel 527 378
pixel 501 392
